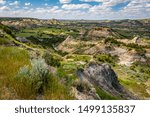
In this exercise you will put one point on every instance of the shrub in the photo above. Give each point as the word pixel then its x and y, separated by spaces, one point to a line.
pixel 139 49
pixel 52 60
pixel 68 75
pixel 6 29
pixel 106 58
pixel 36 80
pixel 82 86
pixel 31 81
pixel 113 41
pixel 141 67
pixel 4 41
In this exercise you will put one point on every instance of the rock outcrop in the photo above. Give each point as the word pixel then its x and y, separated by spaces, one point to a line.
pixel 104 77
pixel 137 40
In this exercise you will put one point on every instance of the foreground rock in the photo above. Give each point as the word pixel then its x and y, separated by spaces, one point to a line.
pixel 103 76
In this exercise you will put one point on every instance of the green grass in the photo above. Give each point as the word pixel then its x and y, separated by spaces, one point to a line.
pixel 20 82
pixel 106 58
pixel 37 80
pixel 104 95
pixel 137 88
pixel 77 57
pixel 68 67
pixel 44 30
pixel 25 34
pixel 45 36
pixel 11 59
pixel 134 78
pixel 57 91
pixel 4 41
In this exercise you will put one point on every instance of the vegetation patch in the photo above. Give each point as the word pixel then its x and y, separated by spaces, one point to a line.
pixel 52 60
pixel 4 41
pixel 12 59
pixel 77 57
pixel 137 88
pixel 104 95
pixel 106 58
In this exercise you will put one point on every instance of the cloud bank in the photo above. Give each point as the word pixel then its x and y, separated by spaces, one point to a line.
pixel 83 9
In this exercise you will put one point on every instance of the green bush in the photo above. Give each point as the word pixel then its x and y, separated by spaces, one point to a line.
pixel 113 41
pixel 52 60
pixel 106 58
pixel 82 86
pixel 4 41
pixel 34 78
pixel 37 80
pixel 7 30
pixel 142 68
pixel 68 75
pixel 139 49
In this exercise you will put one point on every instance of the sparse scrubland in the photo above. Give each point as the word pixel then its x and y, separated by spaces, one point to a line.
pixel 59 60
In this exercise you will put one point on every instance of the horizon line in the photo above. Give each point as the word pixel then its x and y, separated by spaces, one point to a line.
pixel 76 19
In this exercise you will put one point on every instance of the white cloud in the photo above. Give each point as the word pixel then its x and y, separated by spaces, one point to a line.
pixel 27 4
pixel 107 2
pixel 100 12
pixel 94 0
pixel 15 3
pixel 4 8
pixel 134 9
pixel 76 6
pixel 2 1
pixel 64 1
pixel 115 2
pixel 148 5
pixel 138 5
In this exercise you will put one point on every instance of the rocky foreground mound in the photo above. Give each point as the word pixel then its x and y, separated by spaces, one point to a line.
pixel 104 77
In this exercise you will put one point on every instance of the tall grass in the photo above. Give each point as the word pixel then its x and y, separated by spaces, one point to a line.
pixel 32 82
pixel 104 95
pixel 4 41
pixel 21 78
pixel 11 59
pixel 55 90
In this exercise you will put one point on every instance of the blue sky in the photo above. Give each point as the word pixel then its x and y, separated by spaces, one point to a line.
pixel 76 9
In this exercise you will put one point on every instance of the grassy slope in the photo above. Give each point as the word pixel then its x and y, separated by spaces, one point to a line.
pixel 133 81
pixel 11 59
pixel 14 58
